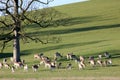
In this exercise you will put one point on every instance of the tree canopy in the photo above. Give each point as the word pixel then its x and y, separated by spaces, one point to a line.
pixel 19 13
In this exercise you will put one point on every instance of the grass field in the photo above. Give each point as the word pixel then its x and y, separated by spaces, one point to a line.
pixel 93 27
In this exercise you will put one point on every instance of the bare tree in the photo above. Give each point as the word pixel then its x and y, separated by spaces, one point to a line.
pixel 16 12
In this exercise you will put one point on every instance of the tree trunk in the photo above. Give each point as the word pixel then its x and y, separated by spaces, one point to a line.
pixel 16 43
pixel 16 47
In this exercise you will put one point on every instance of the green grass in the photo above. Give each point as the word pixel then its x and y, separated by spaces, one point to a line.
pixel 93 27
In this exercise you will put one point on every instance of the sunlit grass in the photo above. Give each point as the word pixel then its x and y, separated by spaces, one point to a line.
pixel 93 28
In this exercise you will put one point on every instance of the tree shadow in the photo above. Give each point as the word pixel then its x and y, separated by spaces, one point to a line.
pixel 73 30
pixel 61 46
pixel 5 55
pixel 74 21
pixel 67 21
pixel 70 22
pixel 113 53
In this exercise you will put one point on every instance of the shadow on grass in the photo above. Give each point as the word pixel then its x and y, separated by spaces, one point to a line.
pixel 113 65
pixel 68 21
pixel 75 20
pixel 113 53
pixel 74 30
pixel 5 55
pixel 61 46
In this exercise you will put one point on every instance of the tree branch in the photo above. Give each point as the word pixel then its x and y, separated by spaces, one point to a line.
pixel 2 2
pixel 28 6
pixel 33 39
pixel 32 21
pixel 7 26
pixel 4 44
pixel 3 22
pixel 7 6
pixel 36 39
pixel 2 9
pixel 48 1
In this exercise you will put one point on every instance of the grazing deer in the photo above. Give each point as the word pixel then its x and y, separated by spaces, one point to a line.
pixel 52 65
pixel 82 58
pixel 18 64
pixel 91 58
pixel 13 69
pixel 109 62
pixel 69 66
pixel 35 67
pixel 81 65
pixel 7 66
pixel 38 56
pixel 59 65
pixel 107 55
pixel 12 60
pixel 105 63
pixel 77 60
pixel 99 56
pixel 47 64
pixel 4 61
pixel 1 65
pixel 44 59
pixel 26 67
pixel 82 61
pixel 92 63
pixel 100 62
pixel 23 61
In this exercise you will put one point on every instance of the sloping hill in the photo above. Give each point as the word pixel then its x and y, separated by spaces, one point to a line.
pixel 92 21
pixel 93 27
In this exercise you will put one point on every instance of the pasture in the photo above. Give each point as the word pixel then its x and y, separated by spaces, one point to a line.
pixel 93 27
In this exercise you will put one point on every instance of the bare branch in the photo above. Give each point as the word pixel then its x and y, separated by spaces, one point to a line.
pixel 3 22
pixel 5 38
pixel 48 1
pixel 2 9
pixel 31 38
pixel 21 3
pixel 2 2
pixel 32 21
pixel 36 39
pixel 29 5
pixel 4 44
pixel 6 25
pixel 24 10
pixel 7 6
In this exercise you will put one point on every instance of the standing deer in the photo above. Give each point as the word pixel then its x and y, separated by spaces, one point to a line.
pixel 92 61
pixel 57 55
pixel 71 56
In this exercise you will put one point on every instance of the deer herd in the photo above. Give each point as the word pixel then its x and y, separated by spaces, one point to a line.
pixel 102 60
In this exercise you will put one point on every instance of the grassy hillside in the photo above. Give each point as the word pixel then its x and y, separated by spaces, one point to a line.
pixel 93 27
